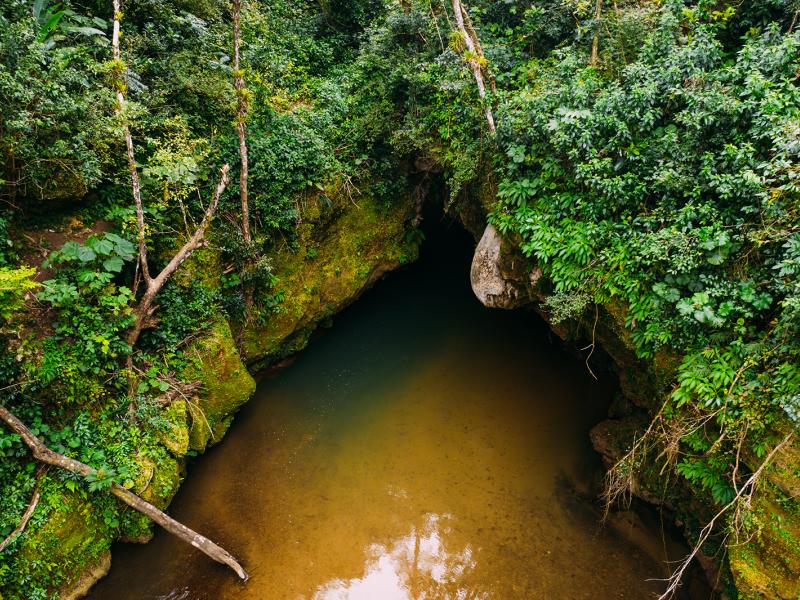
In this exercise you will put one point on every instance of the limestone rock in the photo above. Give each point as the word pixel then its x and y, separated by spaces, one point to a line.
pixel 88 578
pixel 500 279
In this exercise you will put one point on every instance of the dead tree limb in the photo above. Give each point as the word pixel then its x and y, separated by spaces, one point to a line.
pixel 241 116
pixel 28 511
pixel 474 63
pixel 47 456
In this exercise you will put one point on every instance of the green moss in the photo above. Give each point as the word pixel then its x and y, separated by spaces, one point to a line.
pixel 175 435
pixel 203 267
pixel 767 566
pixel 333 265
pixel 159 478
pixel 225 385
pixel 55 550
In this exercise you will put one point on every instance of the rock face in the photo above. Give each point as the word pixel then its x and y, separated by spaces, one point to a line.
pixel 497 281
pixel 342 255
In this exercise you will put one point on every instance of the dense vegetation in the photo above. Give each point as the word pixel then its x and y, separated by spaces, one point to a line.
pixel 646 160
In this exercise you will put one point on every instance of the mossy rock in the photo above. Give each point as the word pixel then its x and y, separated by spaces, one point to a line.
pixel 60 188
pixel 175 435
pixel 333 265
pixel 203 267
pixel 71 539
pixel 225 385
pixel 785 471
pixel 159 479
pixel 88 578
pixel 768 565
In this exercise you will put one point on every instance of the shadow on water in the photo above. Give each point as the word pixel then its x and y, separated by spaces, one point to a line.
pixel 425 447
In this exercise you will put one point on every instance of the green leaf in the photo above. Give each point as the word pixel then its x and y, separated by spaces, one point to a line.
pixel 50 25
pixel 102 247
pixel 113 264
pixel 86 254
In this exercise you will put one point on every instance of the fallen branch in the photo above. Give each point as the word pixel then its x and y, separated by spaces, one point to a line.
pixel 28 512
pixel 49 457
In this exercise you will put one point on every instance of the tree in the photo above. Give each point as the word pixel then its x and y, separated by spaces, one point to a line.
pixel 153 285
pixel 242 102
pixel 598 12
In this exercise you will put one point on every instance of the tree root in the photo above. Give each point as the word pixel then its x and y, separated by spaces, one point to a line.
pixel 741 502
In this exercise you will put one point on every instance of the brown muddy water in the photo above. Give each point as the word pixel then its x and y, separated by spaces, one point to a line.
pixel 423 448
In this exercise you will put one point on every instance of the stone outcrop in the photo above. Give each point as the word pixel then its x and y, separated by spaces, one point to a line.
pixel 335 261
pixel 499 283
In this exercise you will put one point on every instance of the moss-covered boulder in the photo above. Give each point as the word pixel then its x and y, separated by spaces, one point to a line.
pixel 67 539
pixel 767 563
pixel 175 433
pixel 225 385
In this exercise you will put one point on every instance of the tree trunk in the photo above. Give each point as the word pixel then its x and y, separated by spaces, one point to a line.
pixel 458 11
pixel 598 12
pixel 241 116
pixel 120 84
pixel 47 456
pixel 478 48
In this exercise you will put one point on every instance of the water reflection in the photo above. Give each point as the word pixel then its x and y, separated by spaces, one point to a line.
pixel 418 566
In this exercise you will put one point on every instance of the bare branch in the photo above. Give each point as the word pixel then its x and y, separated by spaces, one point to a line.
pixel 47 456
pixel 120 75
pixel 145 309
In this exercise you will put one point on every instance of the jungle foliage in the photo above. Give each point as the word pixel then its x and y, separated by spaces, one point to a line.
pixel 660 177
